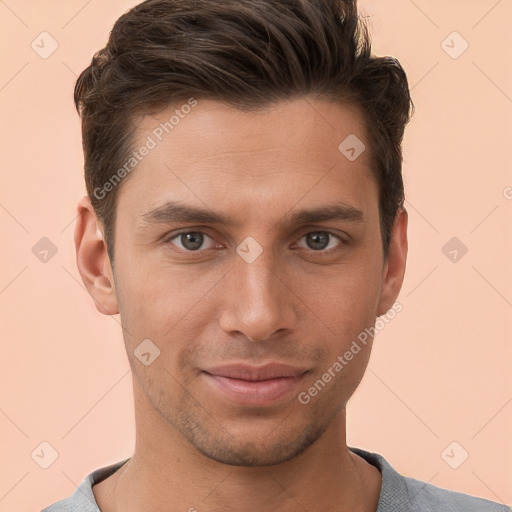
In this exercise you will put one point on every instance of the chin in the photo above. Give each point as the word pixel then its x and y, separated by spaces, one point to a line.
pixel 261 450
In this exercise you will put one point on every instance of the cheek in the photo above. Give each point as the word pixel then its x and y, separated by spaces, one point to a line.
pixel 345 298
pixel 167 306
pixel 329 389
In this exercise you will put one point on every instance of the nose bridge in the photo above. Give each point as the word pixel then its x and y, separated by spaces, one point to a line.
pixel 258 280
pixel 259 302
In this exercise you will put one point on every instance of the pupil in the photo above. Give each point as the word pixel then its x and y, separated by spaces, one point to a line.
pixel 192 241
pixel 323 239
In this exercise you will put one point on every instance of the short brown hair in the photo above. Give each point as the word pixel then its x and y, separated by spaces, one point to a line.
pixel 247 53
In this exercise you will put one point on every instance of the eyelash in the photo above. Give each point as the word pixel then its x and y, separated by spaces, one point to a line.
pixel 168 240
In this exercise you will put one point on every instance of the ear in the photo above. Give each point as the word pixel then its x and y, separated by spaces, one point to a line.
pixel 394 268
pixel 92 259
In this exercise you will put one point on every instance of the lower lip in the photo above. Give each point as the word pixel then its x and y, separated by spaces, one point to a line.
pixel 261 392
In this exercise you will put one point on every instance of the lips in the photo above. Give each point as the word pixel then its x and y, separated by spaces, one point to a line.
pixel 256 373
pixel 254 386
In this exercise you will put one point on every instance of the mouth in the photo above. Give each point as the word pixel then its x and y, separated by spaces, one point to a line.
pixel 254 386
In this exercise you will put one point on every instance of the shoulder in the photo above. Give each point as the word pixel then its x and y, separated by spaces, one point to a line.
pixel 400 493
pixel 64 505
pixel 426 497
pixel 82 499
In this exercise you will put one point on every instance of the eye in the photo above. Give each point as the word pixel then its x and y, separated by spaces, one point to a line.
pixel 191 241
pixel 319 240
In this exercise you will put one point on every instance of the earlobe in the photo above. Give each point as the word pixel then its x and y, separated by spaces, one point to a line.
pixel 394 269
pixel 92 259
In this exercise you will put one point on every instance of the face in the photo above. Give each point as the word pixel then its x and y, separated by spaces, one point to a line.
pixel 250 303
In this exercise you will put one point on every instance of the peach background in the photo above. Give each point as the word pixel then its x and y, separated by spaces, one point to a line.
pixel 440 372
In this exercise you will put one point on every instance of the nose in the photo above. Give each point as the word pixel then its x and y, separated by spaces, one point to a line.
pixel 259 302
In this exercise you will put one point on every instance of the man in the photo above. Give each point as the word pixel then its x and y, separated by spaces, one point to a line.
pixel 245 218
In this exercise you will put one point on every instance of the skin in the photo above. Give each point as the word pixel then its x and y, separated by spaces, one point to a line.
pixel 196 449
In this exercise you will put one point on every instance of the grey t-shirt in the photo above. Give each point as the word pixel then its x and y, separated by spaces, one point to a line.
pixel 397 494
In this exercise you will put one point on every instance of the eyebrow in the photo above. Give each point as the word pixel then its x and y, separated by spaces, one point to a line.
pixel 172 212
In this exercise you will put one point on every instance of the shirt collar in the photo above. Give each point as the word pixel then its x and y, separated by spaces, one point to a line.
pixel 393 492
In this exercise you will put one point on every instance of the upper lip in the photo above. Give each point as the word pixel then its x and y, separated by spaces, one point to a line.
pixel 255 373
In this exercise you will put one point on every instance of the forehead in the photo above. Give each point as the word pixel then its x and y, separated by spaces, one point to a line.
pixel 289 152
pixel 314 125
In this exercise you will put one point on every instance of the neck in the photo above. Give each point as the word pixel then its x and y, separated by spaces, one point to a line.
pixel 167 472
